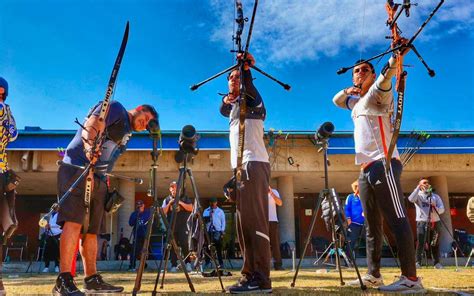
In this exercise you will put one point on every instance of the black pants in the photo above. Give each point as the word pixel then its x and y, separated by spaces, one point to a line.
pixel 275 243
pixel 252 223
pixel 216 239
pixel 382 198
pixel 432 240
pixel 8 221
pixel 136 250
pixel 51 252
pixel 354 232
pixel 181 236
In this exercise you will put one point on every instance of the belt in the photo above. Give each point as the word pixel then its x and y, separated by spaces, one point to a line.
pixel 368 164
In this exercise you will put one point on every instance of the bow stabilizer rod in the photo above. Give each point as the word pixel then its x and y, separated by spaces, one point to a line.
pixel 409 44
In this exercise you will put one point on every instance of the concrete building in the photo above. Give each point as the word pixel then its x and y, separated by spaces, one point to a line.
pixel 297 172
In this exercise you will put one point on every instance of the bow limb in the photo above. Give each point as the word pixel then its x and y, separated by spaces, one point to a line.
pixel 243 92
pixel 397 39
pixel 398 120
pixel 100 136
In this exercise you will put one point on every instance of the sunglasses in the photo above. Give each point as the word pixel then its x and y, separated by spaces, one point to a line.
pixel 362 69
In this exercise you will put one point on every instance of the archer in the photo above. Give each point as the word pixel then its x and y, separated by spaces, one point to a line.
pixel 252 196
pixel 371 103
pixel 119 124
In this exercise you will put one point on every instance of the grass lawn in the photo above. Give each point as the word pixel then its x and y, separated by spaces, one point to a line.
pixel 309 281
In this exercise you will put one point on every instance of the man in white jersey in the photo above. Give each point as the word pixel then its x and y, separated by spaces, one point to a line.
pixel 274 200
pixel 252 195
pixel 371 103
pixel 52 235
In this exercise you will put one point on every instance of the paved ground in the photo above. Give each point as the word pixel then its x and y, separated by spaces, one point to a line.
pixel 320 281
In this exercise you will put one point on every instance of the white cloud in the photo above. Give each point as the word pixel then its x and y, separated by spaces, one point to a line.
pixel 300 30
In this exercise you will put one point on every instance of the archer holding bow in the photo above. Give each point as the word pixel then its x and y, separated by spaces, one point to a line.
pixel 251 196
pixel 119 125
pixel 370 100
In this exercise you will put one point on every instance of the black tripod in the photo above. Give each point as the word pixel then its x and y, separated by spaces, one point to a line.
pixel 427 234
pixel 329 196
pixel 330 250
pixel 180 192
pixel 157 213
pixel 456 243
pixel 385 240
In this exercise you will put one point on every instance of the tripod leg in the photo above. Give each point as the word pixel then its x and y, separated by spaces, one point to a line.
pixel 308 238
pixel 172 244
pixel 344 256
pixel 351 253
pixel 335 237
pixel 202 225
pixel 42 253
pixel 324 253
pixel 170 232
pixel 158 275
pixel 469 258
pixel 180 258
pixel 329 255
pixel 449 232
pixel 391 250
pixel 167 256
pixel 144 252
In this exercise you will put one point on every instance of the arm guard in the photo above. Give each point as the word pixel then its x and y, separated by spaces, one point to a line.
pixel 384 81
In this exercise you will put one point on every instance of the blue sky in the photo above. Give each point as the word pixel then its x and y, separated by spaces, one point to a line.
pixel 58 55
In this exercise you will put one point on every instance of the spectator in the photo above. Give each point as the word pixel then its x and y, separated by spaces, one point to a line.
pixel 354 216
pixel 428 208
pixel 274 200
pixel 180 231
pixel 470 209
pixel 215 225
pixel 138 220
pixel 53 233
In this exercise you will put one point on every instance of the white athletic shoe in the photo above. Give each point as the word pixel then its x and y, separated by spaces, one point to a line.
pixel 45 270
pixel 56 269
pixel 174 269
pixel 368 280
pixel 438 266
pixel 404 286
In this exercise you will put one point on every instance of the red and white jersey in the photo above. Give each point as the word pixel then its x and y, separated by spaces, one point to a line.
pixel 371 114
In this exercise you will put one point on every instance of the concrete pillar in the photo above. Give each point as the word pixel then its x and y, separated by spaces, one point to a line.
pixel 440 184
pixel 286 213
pixel 127 190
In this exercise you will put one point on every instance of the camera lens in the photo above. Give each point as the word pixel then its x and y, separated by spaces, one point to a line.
pixel 325 131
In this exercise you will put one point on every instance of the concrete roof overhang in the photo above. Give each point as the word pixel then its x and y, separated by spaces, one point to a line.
pixel 448 154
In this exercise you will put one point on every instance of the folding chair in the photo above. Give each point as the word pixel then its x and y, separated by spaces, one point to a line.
pixel 19 242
